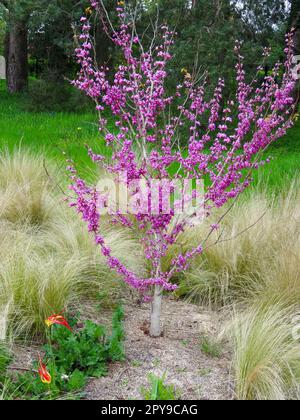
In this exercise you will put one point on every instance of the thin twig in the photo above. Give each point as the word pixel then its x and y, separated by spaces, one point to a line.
pixel 57 185
pixel 219 241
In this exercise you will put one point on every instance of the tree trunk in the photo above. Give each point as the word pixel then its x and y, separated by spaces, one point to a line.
pixel 294 23
pixel 155 327
pixel 17 57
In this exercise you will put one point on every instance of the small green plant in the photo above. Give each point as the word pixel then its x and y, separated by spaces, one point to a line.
pixel 5 359
pixel 156 362
pixel 158 390
pixel 204 371
pixel 116 346
pixel 210 347
pixel 137 363
pixel 72 357
pixel 28 387
pixel 87 350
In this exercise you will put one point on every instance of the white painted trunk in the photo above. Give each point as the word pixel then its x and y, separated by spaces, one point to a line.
pixel 155 327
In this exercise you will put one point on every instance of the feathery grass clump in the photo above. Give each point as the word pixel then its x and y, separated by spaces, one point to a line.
pixel 25 189
pixel 48 260
pixel 266 355
pixel 257 252
pixel 256 267
pixel 44 273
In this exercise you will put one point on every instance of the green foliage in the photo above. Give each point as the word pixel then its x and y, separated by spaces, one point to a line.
pixel 116 347
pixel 86 350
pixel 89 349
pixel 207 32
pixel 53 96
pixel 29 386
pixel 77 380
pixel 71 358
pixel 5 359
pixel 158 390
pixel 210 347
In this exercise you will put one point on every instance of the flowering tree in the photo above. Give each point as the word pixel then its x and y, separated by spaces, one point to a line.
pixel 224 144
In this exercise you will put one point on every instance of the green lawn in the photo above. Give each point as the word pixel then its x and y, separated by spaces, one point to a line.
pixel 55 133
pixel 50 133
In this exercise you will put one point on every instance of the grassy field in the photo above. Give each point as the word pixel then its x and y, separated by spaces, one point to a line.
pixel 55 133
pixel 51 134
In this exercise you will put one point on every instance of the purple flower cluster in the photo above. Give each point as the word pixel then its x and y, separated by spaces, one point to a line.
pixel 224 142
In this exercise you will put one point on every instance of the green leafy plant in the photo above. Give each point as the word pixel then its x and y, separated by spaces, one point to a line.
pixel 72 357
pixel 158 390
pixel 46 95
pixel 29 387
pixel 116 347
pixel 86 350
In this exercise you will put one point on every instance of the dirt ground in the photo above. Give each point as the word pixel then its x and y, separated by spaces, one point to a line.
pixel 195 375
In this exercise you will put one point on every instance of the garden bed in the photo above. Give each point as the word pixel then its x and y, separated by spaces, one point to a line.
pixel 177 354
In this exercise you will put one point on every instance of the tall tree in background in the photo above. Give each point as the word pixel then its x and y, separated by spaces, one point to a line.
pixel 51 42
pixel 294 22
pixel 16 44
pixel 2 29
pixel 209 31
pixel 51 37
pixel 42 28
pixel 262 16
pixel 206 35
pixel 206 31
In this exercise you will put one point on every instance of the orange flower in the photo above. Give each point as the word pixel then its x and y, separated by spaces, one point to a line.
pixel 57 319
pixel 44 374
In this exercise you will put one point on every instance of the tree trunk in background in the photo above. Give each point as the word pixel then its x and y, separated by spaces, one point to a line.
pixel 17 57
pixel 294 22
pixel 102 46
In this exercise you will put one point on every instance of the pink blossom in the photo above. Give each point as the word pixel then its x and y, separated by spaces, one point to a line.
pixel 224 138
